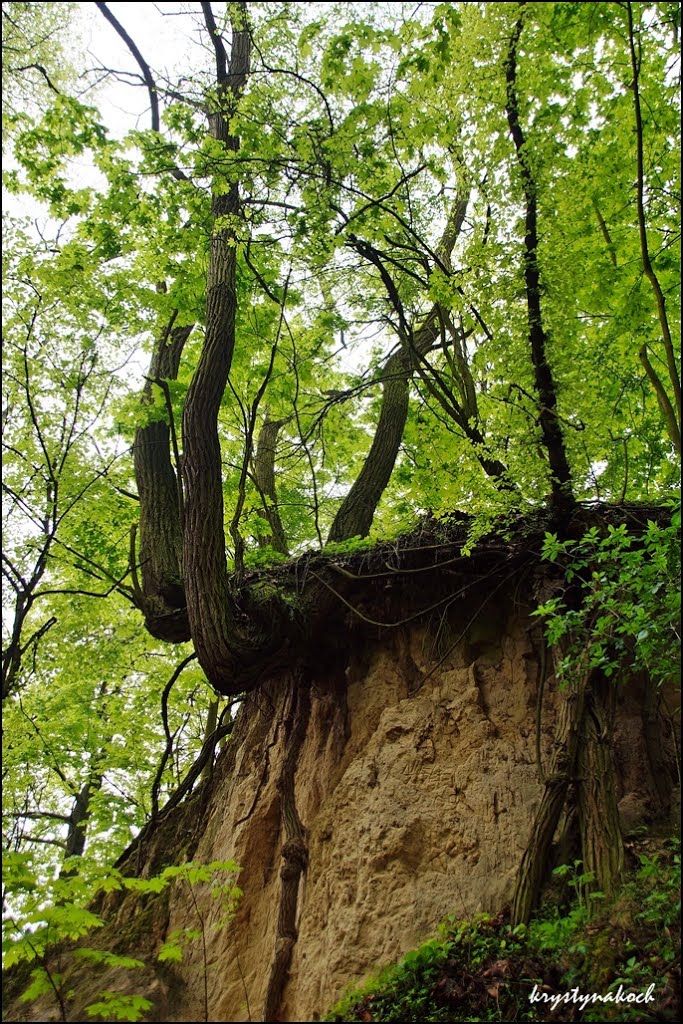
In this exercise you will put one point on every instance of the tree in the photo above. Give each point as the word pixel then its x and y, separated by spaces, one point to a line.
pixel 376 265
pixel 33 54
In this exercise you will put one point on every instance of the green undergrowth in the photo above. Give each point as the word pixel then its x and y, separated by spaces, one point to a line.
pixel 578 944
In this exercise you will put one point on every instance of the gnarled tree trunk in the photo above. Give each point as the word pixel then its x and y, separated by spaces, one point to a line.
pixel 601 842
pixel 561 771
pixel 214 625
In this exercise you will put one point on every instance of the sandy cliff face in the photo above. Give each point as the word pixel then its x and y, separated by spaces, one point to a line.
pixel 416 786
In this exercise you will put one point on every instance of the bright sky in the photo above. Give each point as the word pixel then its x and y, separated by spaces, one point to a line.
pixel 164 34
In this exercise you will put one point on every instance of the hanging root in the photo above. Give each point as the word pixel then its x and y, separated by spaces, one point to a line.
pixel 294 848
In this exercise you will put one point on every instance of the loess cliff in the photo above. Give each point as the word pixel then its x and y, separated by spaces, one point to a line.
pixel 384 781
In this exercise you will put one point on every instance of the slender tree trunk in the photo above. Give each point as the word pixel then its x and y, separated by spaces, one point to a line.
pixel 562 496
pixel 355 515
pixel 78 822
pixel 264 478
pixel 211 723
pixel 670 411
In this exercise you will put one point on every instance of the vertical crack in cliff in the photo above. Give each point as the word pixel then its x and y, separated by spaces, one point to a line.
pixel 294 848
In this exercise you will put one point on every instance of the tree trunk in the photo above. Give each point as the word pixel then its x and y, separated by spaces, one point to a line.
pixel 534 863
pixel 264 478
pixel 294 848
pixel 562 495
pixel 211 723
pixel 210 605
pixel 78 823
pixel 670 411
pixel 660 764
pixel 355 515
pixel 160 531
pixel 601 843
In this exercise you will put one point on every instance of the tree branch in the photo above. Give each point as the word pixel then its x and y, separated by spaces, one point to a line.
pixel 673 421
pixel 142 63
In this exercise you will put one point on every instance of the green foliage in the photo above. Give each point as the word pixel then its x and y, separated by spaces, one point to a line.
pixel 554 928
pixel 114 1005
pixel 485 970
pixel 401 992
pixel 262 558
pixel 631 941
pixel 103 956
pixel 628 619
pixel 446 979
pixel 580 881
pixel 348 547
pixel 43 934
pixel 36 57
pixel 375 121
pixel 223 890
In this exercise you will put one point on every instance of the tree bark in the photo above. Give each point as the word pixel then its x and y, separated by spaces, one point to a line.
pixel 264 478
pixel 601 842
pixel 78 822
pixel 294 848
pixel 355 515
pixel 160 531
pixel 534 863
pixel 562 495
pixel 211 612
pixel 211 723
pixel 661 769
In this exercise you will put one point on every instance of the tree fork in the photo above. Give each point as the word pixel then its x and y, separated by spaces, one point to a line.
pixel 355 515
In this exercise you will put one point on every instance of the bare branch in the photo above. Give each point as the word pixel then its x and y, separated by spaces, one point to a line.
pixel 217 43
pixel 43 72
pixel 142 63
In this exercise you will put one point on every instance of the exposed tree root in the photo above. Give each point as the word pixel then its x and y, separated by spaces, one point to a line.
pixel 558 777
pixel 582 754
pixel 294 848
